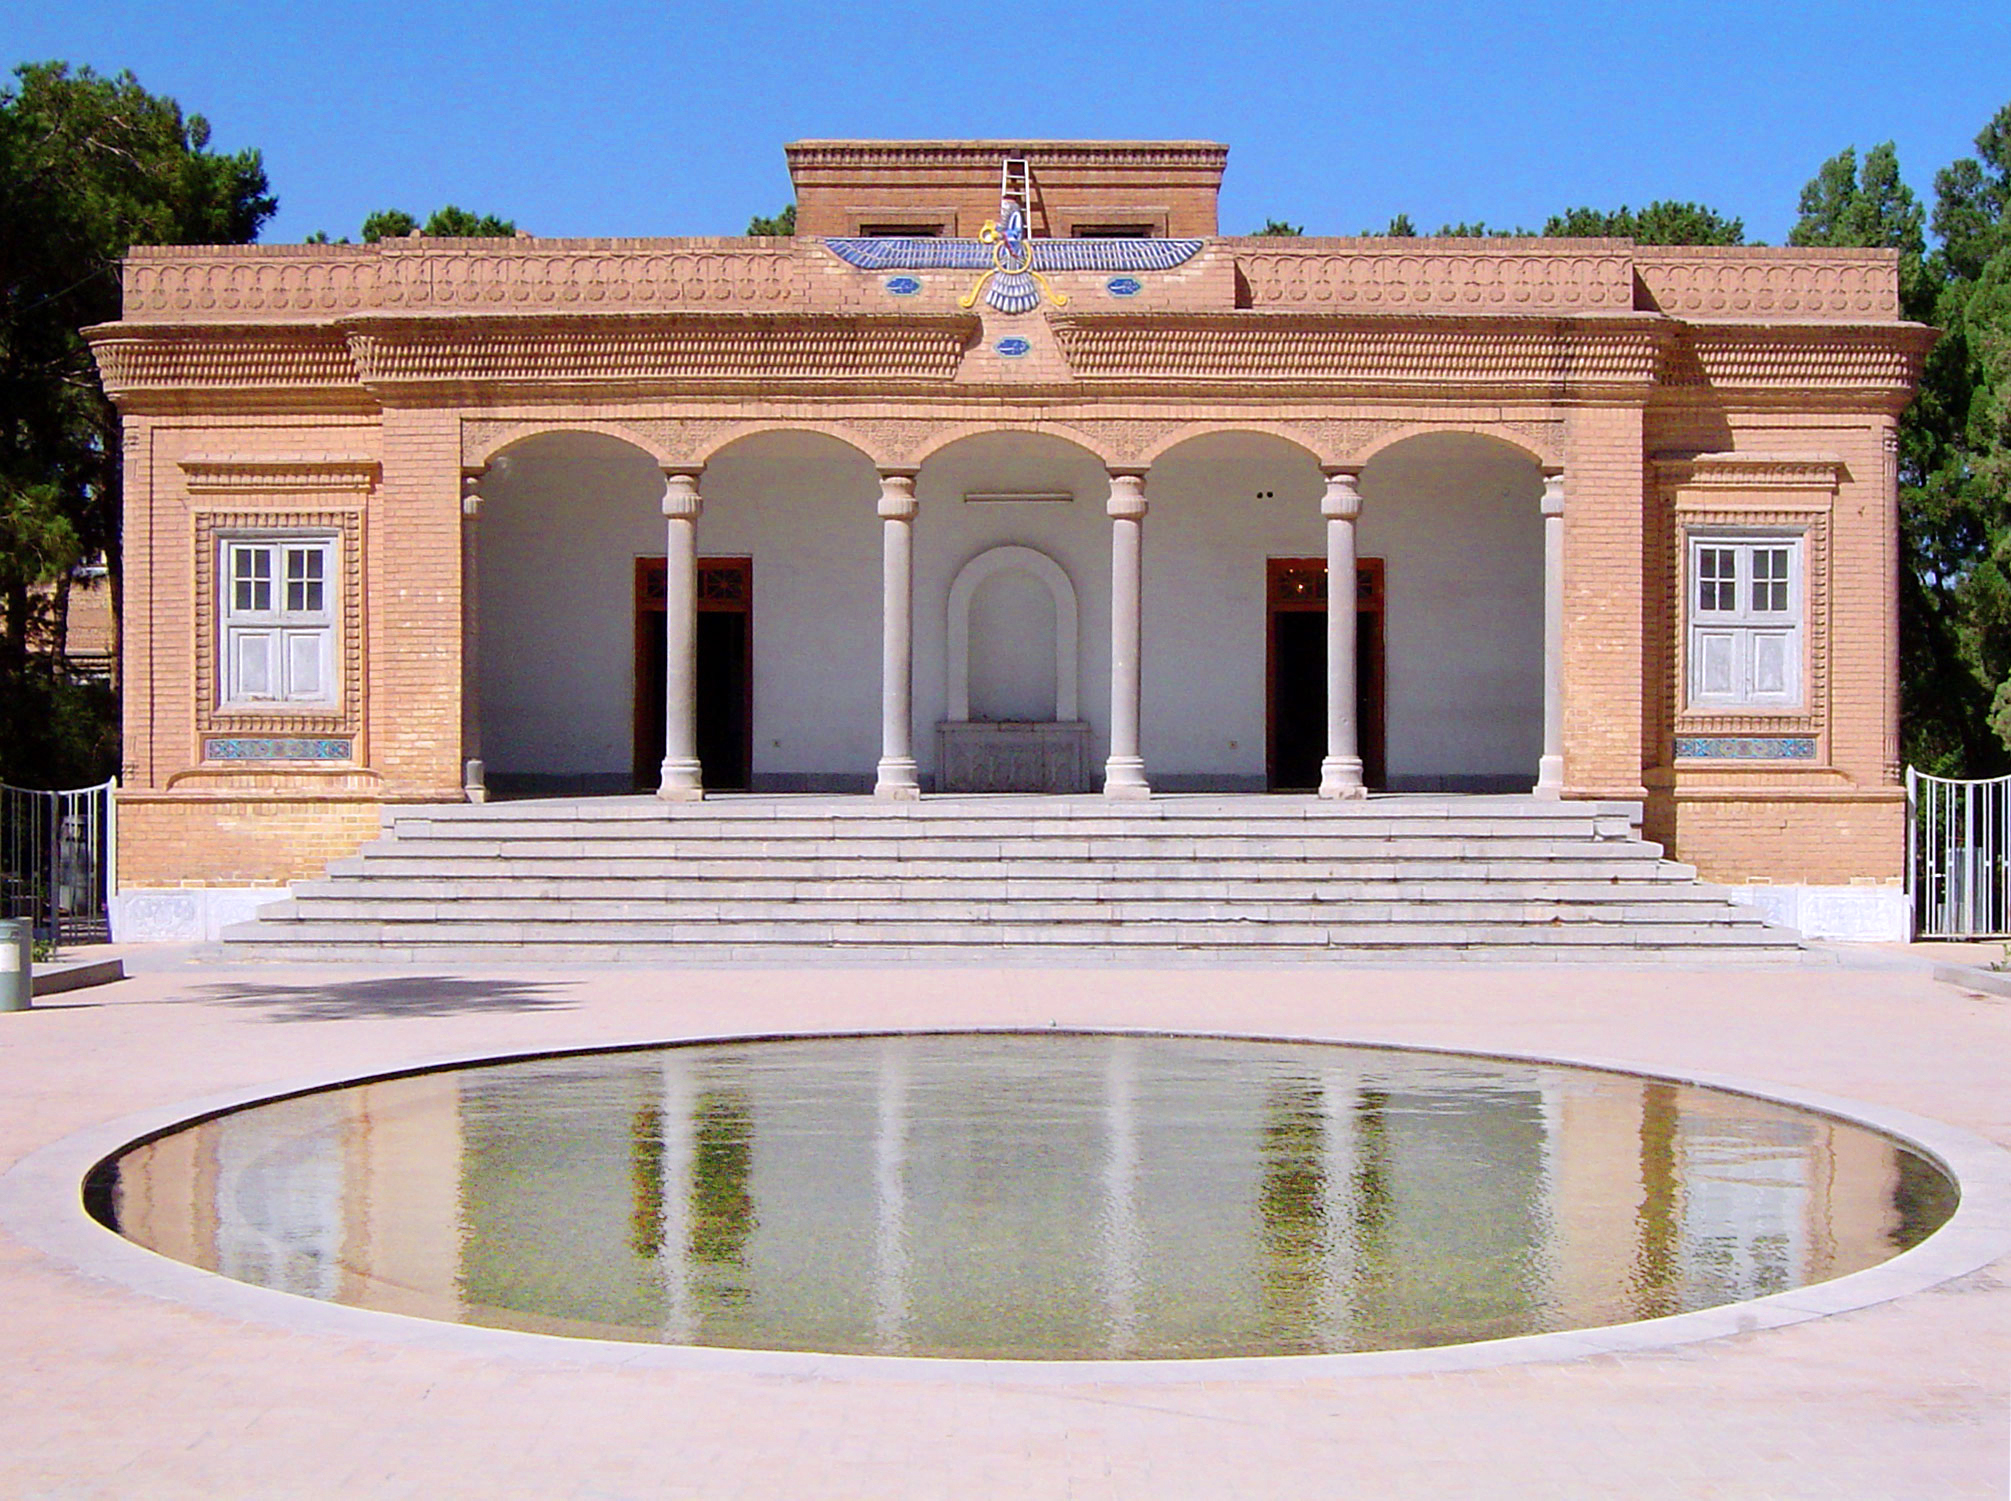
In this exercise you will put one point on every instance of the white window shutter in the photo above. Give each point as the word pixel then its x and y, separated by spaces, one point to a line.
pixel 1717 663
pixel 253 663
pixel 306 671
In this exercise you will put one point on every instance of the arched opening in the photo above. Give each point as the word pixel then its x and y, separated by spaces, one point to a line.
pixel 569 615
pixel 1012 589
pixel 1456 518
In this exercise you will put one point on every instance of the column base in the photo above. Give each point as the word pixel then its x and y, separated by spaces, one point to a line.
pixel 898 781
pixel 1550 777
pixel 683 782
pixel 474 787
pixel 1124 779
pixel 1341 777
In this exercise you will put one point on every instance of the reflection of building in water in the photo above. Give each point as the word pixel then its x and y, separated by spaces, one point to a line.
pixel 1105 1199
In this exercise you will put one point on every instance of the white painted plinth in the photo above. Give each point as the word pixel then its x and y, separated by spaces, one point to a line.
pixel 1845 914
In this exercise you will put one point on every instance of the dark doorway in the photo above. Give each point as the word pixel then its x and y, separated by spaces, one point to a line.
pixel 1296 688
pixel 725 672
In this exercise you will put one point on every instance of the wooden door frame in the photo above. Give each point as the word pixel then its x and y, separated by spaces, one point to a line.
pixel 1299 586
pixel 728 591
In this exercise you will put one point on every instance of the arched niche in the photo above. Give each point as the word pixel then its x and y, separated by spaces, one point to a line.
pixel 964 589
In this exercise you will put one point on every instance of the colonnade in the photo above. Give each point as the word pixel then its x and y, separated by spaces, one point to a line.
pixel 897 778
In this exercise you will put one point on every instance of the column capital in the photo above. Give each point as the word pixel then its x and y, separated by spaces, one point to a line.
pixel 680 494
pixel 471 492
pixel 1553 490
pixel 897 495
pixel 1343 498
pixel 1127 494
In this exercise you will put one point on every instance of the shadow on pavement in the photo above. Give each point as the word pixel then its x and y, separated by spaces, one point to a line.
pixel 385 997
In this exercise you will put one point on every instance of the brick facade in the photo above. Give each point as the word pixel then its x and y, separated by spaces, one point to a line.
pixel 349 390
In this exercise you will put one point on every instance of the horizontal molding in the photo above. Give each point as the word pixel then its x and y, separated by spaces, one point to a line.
pixel 265 474
pixel 1772 359
pixel 1438 276
pixel 1750 471
pixel 1380 352
pixel 1744 282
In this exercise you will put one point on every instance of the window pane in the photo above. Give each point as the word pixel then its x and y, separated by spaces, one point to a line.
pixel 251 577
pixel 303 579
pixel 1716 578
pixel 1770 580
pixel 1770 664
pixel 1715 663
pixel 303 665
pixel 252 664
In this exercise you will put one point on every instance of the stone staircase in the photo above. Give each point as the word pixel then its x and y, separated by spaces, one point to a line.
pixel 1405 878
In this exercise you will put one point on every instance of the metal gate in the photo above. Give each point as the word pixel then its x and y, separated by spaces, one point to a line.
pixel 1958 856
pixel 56 861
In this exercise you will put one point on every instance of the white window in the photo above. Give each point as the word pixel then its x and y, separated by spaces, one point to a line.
pixel 278 621
pixel 1745 622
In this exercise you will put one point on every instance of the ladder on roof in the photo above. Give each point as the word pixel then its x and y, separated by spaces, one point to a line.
pixel 1016 186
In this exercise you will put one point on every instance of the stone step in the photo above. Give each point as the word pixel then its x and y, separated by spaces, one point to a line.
pixel 1201 884
pixel 861 831
pixel 1126 909
pixel 1393 935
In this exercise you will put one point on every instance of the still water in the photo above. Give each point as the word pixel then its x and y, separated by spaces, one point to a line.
pixel 1043 1197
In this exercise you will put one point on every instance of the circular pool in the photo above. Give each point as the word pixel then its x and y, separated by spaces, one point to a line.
pixel 1026 1196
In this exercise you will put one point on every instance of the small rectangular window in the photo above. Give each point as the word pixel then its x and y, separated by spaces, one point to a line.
pixel 1112 231
pixel 1745 632
pixel 278 646
pixel 901 231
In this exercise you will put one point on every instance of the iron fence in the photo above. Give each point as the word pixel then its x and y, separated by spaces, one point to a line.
pixel 1958 856
pixel 56 857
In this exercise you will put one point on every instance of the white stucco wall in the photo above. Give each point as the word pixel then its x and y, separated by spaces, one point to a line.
pixel 1454 517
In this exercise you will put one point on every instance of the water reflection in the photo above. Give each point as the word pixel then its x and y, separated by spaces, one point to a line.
pixel 1028 1196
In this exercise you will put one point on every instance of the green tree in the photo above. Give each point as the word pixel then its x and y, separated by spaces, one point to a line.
pixel 89 167
pixel 783 223
pixel 449 223
pixel 1279 229
pixel 1663 222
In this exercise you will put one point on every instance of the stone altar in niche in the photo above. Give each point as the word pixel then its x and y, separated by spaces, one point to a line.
pixel 1012 756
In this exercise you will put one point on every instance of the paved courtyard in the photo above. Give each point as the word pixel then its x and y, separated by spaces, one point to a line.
pixel 114 1390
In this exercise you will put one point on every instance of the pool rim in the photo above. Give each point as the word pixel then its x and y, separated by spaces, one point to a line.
pixel 42 1202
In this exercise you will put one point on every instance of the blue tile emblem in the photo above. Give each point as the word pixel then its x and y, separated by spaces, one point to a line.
pixel 904 286
pixel 1745 748
pixel 1124 286
pixel 278 748
pixel 1012 348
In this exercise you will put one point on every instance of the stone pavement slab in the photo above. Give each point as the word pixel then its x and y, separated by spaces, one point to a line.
pixel 113 1391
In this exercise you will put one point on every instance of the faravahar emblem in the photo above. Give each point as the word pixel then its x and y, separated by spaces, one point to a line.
pixel 1012 265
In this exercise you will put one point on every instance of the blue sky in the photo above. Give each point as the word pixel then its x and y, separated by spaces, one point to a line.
pixel 670 119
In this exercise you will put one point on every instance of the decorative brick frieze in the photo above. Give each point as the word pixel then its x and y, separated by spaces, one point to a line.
pixel 1880 365
pixel 1746 282
pixel 1538 354
pixel 253 474
pixel 134 361
pixel 216 284
pixel 671 349
pixel 1437 276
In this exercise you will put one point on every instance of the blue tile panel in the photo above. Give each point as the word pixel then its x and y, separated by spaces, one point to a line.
pixel 895 254
pixel 279 748
pixel 1012 348
pixel 904 286
pixel 1745 748
pixel 1124 286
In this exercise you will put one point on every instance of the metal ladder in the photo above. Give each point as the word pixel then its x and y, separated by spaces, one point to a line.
pixel 1016 186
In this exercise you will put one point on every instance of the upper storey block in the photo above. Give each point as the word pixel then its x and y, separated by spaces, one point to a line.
pixel 951 188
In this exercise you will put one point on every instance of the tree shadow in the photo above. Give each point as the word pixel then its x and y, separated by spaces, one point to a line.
pixel 387 998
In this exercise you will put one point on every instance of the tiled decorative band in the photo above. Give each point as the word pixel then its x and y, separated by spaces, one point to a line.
pixel 1745 748
pixel 279 748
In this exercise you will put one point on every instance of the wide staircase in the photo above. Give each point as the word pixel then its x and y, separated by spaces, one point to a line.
pixel 766 878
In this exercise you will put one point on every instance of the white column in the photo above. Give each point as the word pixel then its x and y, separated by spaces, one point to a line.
pixel 472 780
pixel 680 1151
pixel 1122 1253
pixel 681 505
pixel 1550 770
pixel 1341 771
pixel 897 780
pixel 1124 772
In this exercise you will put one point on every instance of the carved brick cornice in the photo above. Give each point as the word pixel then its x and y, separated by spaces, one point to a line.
pixel 1866 363
pixel 1820 472
pixel 659 349
pixel 296 282
pixel 1747 283
pixel 1378 352
pixel 806 157
pixel 270 474
pixel 1438 276
pixel 135 359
